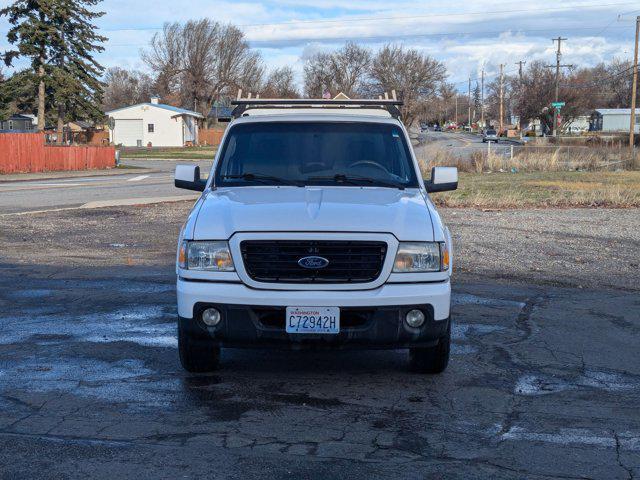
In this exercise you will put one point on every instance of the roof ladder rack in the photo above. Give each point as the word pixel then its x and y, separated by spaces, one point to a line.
pixel 389 104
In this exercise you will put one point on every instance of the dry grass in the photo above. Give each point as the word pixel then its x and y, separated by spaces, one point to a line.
pixel 544 189
pixel 526 159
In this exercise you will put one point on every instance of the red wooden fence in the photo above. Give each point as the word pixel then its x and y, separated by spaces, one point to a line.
pixel 27 152
pixel 210 136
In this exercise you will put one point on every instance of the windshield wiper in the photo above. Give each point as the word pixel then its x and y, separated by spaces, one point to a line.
pixel 258 177
pixel 342 178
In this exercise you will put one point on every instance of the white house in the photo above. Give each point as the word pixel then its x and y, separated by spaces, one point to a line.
pixel 615 119
pixel 153 124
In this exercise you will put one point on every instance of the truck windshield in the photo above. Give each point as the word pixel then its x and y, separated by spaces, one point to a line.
pixel 316 153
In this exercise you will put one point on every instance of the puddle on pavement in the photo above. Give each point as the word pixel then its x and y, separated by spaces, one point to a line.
pixel 126 380
pixel 469 299
pixel 152 326
pixel 531 385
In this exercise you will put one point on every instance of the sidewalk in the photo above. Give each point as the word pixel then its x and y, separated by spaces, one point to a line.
pixel 25 177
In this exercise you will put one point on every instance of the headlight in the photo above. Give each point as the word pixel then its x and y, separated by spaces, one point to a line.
pixel 421 257
pixel 213 256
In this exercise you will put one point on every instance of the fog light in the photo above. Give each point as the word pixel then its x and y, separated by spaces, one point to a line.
pixel 211 317
pixel 415 318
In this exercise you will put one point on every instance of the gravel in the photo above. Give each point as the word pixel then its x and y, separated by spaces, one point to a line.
pixel 581 248
pixel 573 247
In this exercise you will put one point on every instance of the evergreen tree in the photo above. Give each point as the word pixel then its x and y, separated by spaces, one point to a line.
pixel 78 90
pixel 60 39
pixel 32 33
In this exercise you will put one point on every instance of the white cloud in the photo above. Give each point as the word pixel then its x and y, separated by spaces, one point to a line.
pixel 465 36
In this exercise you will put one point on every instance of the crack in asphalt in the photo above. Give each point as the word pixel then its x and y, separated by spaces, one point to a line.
pixel 622 465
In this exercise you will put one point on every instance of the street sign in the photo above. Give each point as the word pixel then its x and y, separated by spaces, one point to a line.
pixel 557 104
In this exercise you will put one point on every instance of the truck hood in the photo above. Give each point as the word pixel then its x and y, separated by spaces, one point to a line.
pixel 225 211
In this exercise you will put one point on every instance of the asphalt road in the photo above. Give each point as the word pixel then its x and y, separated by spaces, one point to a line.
pixel 55 193
pixel 543 383
pixel 458 143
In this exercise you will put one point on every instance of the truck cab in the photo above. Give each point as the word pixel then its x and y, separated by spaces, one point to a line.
pixel 315 229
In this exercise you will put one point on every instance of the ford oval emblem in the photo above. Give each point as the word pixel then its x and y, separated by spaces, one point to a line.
pixel 313 262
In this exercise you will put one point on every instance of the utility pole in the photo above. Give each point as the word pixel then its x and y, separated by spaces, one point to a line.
pixel 501 97
pixel 634 87
pixel 556 127
pixel 469 102
pixel 482 98
pixel 520 64
pixel 456 119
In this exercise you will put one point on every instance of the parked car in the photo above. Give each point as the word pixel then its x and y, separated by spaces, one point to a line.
pixel 437 128
pixel 314 229
pixel 490 135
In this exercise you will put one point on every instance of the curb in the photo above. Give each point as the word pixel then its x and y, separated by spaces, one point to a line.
pixel 30 177
pixel 124 202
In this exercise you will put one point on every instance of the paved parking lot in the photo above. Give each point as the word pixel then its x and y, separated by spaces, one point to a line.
pixel 544 380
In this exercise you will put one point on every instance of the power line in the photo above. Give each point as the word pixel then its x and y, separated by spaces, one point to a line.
pixel 394 36
pixel 407 17
pixel 599 81
pixel 439 15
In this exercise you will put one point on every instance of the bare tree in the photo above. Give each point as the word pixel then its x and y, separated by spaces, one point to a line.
pixel 533 94
pixel 202 61
pixel 415 76
pixel 318 76
pixel 165 58
pixel 280 84
pixel 441 108
pixel 345 70
pixel 126 87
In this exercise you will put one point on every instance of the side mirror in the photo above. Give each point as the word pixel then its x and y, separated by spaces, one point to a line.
pixel 442 179
pixel 188 177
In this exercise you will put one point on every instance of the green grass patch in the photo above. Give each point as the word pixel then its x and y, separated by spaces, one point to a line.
pixel 544 189
pixel 185 153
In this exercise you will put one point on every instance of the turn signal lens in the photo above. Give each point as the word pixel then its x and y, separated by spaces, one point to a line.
pixel 182 255
pixel 444 256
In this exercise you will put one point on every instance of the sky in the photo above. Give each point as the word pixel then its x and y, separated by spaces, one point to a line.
pixel 466 36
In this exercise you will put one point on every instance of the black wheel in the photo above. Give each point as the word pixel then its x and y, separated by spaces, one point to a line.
pixel 197 355
pixel 431 359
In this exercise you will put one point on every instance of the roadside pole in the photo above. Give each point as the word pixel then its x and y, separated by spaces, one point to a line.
pixel 634 86
pixel 520 63
pixel 469 102
pixel 456 108
pixel 501 98
pixel 557 66
pixel 482 99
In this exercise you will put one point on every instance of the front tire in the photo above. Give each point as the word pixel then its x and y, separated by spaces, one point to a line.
pixel 197 355
pixel 431 359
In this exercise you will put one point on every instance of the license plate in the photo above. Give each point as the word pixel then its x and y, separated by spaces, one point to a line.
pixel 313 320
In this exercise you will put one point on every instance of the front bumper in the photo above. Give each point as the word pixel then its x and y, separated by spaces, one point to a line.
pixel 369 318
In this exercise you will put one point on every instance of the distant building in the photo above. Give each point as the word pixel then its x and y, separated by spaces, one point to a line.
pixel 220 112
pixel 153 124
pixel 17 123
pixel 579 124
pixel 613 120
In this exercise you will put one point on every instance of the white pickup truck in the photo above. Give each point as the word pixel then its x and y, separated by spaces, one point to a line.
pixel 315 229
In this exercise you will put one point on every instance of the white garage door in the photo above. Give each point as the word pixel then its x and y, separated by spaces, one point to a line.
pixel 128 132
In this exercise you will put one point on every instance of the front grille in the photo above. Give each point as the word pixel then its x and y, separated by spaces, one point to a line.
pixel 276 261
